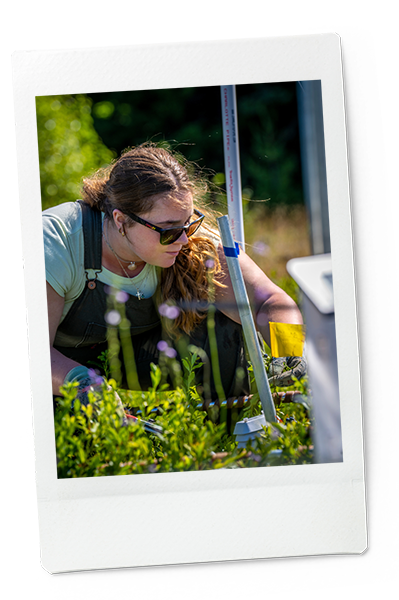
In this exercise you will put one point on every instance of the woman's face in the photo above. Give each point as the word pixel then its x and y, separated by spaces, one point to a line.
pixel 166 212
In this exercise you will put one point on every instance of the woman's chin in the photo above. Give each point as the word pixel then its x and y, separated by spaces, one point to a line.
pixel 166 262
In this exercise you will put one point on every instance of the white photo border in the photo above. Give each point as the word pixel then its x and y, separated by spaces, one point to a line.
pixel 143 520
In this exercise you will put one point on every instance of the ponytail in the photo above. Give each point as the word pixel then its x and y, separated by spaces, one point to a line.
pixel 94 190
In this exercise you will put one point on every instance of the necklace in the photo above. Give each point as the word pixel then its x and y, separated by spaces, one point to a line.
pixel 139 293
pixel 132 264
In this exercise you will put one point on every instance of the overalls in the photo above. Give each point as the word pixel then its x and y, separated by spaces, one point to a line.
pixel 82 335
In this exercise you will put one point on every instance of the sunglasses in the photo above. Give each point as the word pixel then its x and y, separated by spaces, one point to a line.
pixel 172 234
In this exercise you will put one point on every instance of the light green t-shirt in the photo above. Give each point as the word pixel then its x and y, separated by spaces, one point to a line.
pixel 64 258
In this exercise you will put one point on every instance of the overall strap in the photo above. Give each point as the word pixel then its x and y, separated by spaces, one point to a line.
pixel 92 236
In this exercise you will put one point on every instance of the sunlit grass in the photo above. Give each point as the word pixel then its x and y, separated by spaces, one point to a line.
pixel 273 237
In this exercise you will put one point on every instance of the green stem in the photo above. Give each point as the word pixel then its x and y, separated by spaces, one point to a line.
pixel 128 354
pixel 127 348
pixel 114 362
pixel 214 353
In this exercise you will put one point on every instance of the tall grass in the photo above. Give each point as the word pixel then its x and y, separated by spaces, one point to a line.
pixel 273 237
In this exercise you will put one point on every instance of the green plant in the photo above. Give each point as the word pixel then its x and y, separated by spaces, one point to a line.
pixel 102 363
pixel 190 364
pixel 92 442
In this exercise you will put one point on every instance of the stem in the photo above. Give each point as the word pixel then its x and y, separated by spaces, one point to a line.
pixel 127 348
pixel 114 362
pixel 214 353
pixel 128 355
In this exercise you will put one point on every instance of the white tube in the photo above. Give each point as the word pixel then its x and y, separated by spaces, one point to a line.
pixel 247 320
pixel 232 162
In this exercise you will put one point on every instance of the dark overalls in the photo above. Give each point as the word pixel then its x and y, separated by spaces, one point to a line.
pixel 82 335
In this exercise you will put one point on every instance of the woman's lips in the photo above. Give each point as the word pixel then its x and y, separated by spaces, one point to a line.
pixel 173 253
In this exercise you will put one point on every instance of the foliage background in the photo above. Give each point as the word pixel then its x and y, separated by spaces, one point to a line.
pixel 79 134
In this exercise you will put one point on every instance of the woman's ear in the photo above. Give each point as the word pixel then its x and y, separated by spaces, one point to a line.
pixel 119 219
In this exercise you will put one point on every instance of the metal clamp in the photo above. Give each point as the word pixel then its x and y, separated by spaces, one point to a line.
pixel 91 283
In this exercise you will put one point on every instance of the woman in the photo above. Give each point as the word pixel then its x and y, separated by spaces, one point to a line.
pixel 141 229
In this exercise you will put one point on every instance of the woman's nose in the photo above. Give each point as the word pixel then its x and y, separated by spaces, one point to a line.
pixel 183 239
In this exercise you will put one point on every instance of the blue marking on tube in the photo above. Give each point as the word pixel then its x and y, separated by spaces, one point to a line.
pixel 234 252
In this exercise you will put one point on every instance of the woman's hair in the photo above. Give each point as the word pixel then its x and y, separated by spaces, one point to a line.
pixel 133 184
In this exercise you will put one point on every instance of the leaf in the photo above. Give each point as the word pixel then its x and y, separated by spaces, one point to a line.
pixel 186 364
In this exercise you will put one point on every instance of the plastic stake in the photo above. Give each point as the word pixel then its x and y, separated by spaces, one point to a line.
pixel 247 321
pixel 232 162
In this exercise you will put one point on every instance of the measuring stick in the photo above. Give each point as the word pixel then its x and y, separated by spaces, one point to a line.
pixel 232 162
pixel 247 321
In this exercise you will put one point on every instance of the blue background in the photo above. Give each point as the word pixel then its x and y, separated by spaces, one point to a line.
pixel 28 581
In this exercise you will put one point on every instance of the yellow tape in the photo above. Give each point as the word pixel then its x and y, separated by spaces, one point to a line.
pixel 286 339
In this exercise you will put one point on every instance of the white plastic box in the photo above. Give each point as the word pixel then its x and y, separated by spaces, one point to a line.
pixel 313 274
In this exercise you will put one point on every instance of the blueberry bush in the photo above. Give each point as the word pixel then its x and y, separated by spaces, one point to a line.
pixel 91 441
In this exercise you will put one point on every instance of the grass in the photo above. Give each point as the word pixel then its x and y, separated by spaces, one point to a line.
pixel 273 237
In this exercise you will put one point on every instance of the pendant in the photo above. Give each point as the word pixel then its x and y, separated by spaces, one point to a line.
pixel 139 295
pixel 132 266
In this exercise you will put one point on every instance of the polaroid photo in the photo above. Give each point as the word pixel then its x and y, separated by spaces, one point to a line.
pixel 186 223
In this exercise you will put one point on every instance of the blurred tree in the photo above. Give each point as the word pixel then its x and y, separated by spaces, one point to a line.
pixel 78 134
pixel 269 142
pixel 190 118
pixel 69 146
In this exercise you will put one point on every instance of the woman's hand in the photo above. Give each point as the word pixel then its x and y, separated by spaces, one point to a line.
pixel 91 383
pixel 283 369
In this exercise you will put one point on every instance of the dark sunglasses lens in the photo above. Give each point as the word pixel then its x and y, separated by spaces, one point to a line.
pixel 170 236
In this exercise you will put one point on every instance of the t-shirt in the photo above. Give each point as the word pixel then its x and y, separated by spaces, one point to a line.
pixel 64 257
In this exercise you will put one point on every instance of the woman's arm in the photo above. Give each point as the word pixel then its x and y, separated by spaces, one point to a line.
pixel 268 301
pixel 60 364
